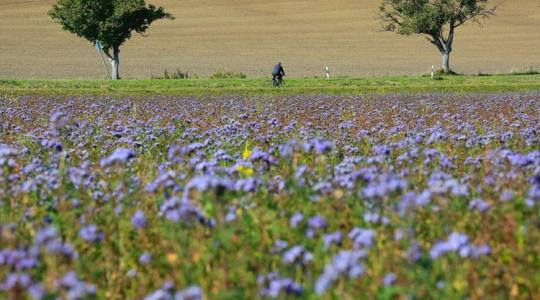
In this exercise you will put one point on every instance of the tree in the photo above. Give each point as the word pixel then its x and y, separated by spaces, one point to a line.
pixel 436 19
pixel 107 22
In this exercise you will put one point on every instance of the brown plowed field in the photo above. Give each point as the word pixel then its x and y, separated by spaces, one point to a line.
pixel 251 35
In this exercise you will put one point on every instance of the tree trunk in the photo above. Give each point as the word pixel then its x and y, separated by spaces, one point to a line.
pixel 115 63
pixel 446 62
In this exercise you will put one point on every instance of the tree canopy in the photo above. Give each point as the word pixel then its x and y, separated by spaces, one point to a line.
pixel 109 22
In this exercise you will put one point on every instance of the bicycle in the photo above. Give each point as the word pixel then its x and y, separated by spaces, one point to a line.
pixel 277 82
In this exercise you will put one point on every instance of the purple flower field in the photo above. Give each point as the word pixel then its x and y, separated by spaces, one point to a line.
pixel 297 197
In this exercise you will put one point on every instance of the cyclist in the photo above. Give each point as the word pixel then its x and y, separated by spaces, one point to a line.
pixel 278 73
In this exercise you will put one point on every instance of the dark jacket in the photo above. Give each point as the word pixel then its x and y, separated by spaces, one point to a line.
pixel 278 70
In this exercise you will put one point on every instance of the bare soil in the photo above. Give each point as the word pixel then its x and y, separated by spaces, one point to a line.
pixel 250 36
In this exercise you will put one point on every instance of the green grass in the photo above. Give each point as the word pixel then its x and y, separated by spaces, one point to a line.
pixel 261 86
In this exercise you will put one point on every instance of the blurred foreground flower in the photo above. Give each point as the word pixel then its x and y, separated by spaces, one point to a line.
pixel 91 233
pixel 345 263
pixel 119 156
pixel 273 285
pixel 460 243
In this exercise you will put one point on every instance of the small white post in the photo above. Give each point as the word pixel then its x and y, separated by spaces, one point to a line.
pixel 327 72
pixel 432 71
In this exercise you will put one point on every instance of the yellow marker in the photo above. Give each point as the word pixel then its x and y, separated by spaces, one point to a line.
pixel 247 153
pixel 244 170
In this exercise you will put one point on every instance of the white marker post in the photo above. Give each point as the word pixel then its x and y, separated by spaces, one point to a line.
pixel 432 71
pixel 327 72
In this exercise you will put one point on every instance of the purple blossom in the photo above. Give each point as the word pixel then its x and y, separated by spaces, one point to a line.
pixel 332 238
pixel 481 250
pixel 58 119
pixel 75 288
pixel 279 246
pixel 190 293
pixel 389 279
pixel 441 284
pixel 506 195
pixel 273 285
pixel 16 280
pixel 52 144
pixel 479 204
pixel 534 192
pixel 315 224
pixel 456 240
pixel 36 291
pixel 297 255
pixel 423 198
pixel 258 155
pixel 459 243
pixel 346 125
pixel 437 134
pixel 18 259
pixel 231 214
pixel 45 235
pixel 345 263
pixel 381 150
pixel 48 238
pixel 161 294
pixel 7 155
pixel 399 234
pixel 248 185
pixel 287 149
pixel 318 146
pixel 414 252
pixel 119 156
pixel 374 217
pixel 176 210
pixel 362 238
pixel 371 217
pixel 386 185
pixel 91 233
pixel 520 160
pixel 296 219
pixel 145 258
pixel 138 220
pixel 207 182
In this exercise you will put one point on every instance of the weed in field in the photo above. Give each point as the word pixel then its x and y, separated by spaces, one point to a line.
pixel 228 75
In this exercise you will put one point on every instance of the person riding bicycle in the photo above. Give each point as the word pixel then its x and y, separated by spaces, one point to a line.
pixel 278 73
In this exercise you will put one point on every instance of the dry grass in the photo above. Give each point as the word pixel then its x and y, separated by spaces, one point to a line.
pixel 251 35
